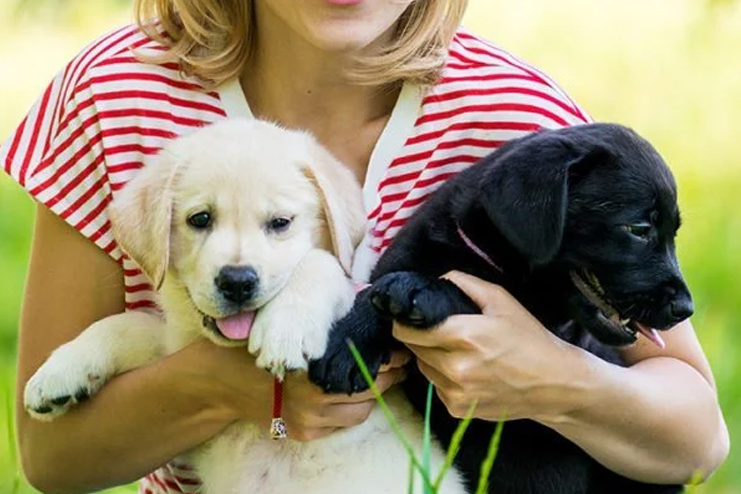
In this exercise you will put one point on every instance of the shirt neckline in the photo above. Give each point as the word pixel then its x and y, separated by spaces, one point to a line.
pixel 392 139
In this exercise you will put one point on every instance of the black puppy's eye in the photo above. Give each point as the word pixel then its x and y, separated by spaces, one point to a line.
pixel 201 220
pixel 640 230
pixel 280 224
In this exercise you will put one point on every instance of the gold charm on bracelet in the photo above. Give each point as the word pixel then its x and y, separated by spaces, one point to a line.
pixel 278 428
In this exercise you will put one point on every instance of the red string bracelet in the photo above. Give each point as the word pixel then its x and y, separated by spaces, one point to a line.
pixel 277 424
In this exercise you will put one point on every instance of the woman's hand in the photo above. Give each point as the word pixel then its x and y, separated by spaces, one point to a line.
pixel 308 411
pixel 504 360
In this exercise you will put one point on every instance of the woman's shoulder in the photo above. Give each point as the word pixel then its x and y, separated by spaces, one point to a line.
pixel 122 65
pixel 482 81
pixel 96 123
pixel 111 96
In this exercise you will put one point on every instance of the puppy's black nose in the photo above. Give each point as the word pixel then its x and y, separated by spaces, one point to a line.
pixel 681 308
pixel 237 283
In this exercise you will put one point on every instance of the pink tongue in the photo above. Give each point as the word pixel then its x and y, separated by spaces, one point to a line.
pixel 236 327
pixel 651 334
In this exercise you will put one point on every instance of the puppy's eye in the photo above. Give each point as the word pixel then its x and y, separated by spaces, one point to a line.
pixel 640 230
pixel 200 220
pixel 280 224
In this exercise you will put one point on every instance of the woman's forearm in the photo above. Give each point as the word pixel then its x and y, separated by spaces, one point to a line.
pixel 657 421
pixel 138 421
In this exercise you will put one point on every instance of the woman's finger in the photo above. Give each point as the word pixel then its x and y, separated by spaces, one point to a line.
pixel 484 294
pixel 399 358
pixel 303 435
pixel 437 378
pixel 389 378
pixel 416 337
pixel 383 382
pixel 347 414
pixel 454 333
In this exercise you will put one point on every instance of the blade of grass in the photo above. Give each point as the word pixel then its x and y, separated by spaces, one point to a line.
pixel 455 444
pixel 428 489
pixel 410 489
pixel 387 413
pixel 694 482
pixel 491 455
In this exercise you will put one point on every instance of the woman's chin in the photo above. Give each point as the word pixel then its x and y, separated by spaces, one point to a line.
pixel 346 38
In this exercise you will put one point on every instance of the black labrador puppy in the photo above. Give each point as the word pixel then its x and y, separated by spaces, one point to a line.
pixel 578 224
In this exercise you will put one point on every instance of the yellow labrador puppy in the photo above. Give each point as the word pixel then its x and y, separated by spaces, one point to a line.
pixel 234 225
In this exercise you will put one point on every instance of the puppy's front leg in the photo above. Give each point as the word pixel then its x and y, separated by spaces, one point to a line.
pixel 78 369
pixel 410 298
pixel 417 300
pixel 337 371
pixel 292 328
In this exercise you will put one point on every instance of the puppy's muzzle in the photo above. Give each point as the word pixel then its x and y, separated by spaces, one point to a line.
pixel 677 304
pixel 237 284
pixel 681 309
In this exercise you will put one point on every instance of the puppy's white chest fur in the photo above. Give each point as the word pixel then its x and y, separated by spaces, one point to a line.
pixel 366 459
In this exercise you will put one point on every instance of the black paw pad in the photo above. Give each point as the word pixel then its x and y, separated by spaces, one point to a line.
pixel 380 301
pixel 62 400
pixel 415 316
pixel 397 295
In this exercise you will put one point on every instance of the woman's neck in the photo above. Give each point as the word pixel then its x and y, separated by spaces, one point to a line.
pixel 301 86
pixel 292 81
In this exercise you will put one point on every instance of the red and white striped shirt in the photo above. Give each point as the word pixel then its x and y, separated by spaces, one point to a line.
pixel 100 118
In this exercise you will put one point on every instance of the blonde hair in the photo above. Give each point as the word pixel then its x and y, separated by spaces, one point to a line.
pixel 214 39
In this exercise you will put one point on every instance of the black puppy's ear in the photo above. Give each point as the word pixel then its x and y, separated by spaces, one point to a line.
pixel 525 191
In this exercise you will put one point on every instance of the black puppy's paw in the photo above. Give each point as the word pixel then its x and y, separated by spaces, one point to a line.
pixel 417 300
pixel 338 372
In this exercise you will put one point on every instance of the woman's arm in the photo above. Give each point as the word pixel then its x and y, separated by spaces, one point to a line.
pixel 143 418
pixel 657 421
pixel 140 419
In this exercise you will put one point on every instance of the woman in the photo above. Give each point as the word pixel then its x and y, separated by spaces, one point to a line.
pixel 405 99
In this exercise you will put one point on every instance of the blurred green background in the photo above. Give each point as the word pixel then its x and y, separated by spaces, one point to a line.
pixel 669 68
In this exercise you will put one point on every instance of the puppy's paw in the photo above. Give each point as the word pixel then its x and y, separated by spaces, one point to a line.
pixel 293 327
pixel 70 376
pixel 338 372
pixel 285 338
pixel 415 300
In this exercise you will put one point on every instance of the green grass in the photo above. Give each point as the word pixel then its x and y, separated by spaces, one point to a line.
pixel 423 466
pixel 668 68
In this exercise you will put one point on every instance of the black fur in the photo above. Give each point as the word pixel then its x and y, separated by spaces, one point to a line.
pixel 594 198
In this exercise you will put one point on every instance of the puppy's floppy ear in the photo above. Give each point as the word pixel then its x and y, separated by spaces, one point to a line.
pixel 525 190
pixel 342 202
pixel 141 215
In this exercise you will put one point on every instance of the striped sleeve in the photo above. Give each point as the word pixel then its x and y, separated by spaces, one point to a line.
pixel 56 152
pixel 173 478
pixel 538 92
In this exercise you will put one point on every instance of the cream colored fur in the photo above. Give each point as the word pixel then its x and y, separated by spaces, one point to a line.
pixel 245 173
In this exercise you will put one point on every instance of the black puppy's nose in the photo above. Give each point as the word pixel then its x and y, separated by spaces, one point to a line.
pixel 237 283
pixel 681 308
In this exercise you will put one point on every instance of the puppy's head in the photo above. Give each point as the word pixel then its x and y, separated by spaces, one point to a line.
pixel 224 215
pixel 597 204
